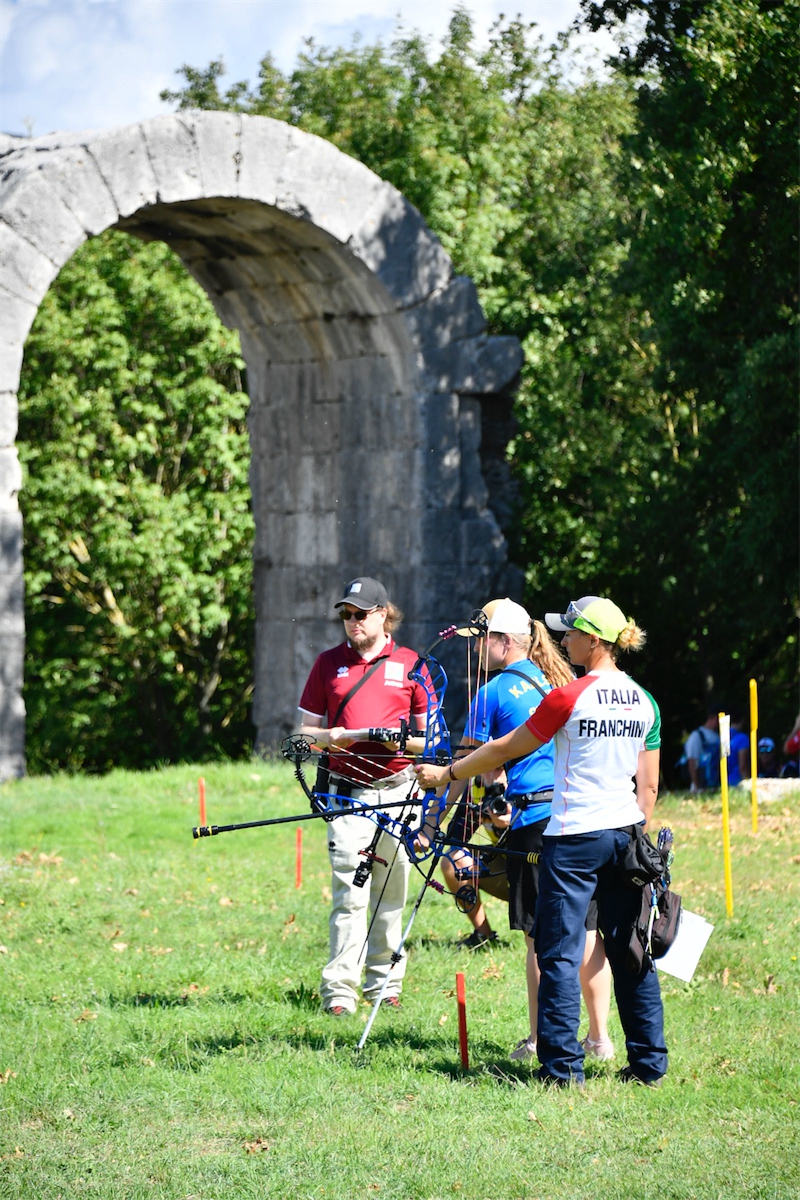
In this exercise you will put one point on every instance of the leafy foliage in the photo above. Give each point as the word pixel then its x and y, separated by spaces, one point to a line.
pixel 620 230
pixel 636 233
pixel 138 533
pixel 712 173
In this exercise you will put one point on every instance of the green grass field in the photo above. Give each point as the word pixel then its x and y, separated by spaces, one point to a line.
pixel 160 1033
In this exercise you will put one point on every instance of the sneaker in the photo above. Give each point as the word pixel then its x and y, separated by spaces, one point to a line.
pixel 524 1049
pixel 477 939
pixel 602 1049
pixel 628 1075
pixel 337 1010
pixel 391 1002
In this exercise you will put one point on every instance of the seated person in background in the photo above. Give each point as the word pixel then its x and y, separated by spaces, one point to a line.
pixel 702 754
pixel 739 757
pixel 768 765
pixel 791 748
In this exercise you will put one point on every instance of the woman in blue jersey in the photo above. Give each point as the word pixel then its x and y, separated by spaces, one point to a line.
pixel 606 732
pixel 525 665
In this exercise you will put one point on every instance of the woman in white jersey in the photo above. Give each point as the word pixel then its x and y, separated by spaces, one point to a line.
pixel 606 731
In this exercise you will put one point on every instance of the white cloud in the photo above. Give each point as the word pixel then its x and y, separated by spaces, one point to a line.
pixel 76 64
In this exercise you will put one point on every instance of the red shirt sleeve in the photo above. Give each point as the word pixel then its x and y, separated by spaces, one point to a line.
pixel 555 709
pixel 314 698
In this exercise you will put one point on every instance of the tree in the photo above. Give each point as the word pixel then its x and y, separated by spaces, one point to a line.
pixel 635 233
pixel 712 171
pixel 138 534
pixel 519 174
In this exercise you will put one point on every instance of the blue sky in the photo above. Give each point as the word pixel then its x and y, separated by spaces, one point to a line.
pixel 90 64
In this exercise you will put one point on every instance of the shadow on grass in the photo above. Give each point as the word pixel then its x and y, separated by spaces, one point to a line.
pixel 190 1054
pixel 388 1039
pixel 504 1074
pixel 175 1000
pixel 434 942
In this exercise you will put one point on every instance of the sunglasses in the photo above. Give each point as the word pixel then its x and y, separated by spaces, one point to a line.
pixel 355 614
pixel 571 616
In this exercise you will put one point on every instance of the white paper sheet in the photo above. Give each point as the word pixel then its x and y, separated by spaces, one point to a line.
pixel 684 954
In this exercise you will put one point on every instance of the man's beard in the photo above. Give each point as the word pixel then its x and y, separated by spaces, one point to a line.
pixel 364 643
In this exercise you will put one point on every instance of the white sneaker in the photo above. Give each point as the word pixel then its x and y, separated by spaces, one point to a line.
pixel 524 1050
pixel 602 1049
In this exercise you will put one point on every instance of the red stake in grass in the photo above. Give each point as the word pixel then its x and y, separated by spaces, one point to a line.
pixel 298 858
pixel 202 785
pixel 461 997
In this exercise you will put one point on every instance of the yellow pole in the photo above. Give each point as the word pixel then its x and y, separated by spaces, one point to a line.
pixel 754 752
pixel 724 751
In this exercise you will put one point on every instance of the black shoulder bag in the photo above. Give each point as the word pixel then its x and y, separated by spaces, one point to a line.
pixel 657 921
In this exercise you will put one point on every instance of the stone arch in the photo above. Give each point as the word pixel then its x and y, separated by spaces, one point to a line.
pixel 367 360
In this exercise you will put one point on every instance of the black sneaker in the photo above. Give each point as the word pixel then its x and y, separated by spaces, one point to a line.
pixel 628 1075
pixel 476 940
pixel 391 1002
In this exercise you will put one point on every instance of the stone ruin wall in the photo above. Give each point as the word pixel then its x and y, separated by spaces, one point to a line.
pixel 368 369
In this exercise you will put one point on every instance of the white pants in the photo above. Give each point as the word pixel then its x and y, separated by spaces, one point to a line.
pixel 348 921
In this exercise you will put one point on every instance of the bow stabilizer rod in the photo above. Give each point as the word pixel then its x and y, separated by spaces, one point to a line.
pixel 201 831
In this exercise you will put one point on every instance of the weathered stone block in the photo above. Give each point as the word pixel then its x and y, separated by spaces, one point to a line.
pixel 441 536
pixel 217 136
pixel 324 186
pixel 73 174
pixel 294 538
pixel 470 425
pixel 11 144
pixel 9 412
pixel 350 295
pixel 481 534
pixel 12 766
pixel 10 479
pixel 16 317
pixel 477 366
pixel 442 417
pixel 12 600
pixel 473 487
pixel 449 315
pixel 399 537
pixel 12 733
pixel 474 493
pixel 11 541
pixel 34 210
pixel 124 163
pixel 12 656
pixel 317 483
pixel 387 375
pixel 306 592
pixel 25 270
pixel 264 147
pixel 174 158
pixel 394 242
pixel 10 364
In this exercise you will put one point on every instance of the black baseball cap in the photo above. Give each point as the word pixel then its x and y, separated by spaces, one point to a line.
pixel 364 593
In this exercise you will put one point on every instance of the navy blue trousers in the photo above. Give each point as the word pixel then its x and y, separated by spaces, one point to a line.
pixel 572 869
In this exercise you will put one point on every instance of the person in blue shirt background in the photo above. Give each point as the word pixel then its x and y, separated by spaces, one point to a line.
pixel 525 664
pixel 739 757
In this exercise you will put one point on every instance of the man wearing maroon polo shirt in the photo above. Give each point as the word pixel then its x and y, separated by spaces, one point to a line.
pixel 372 774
